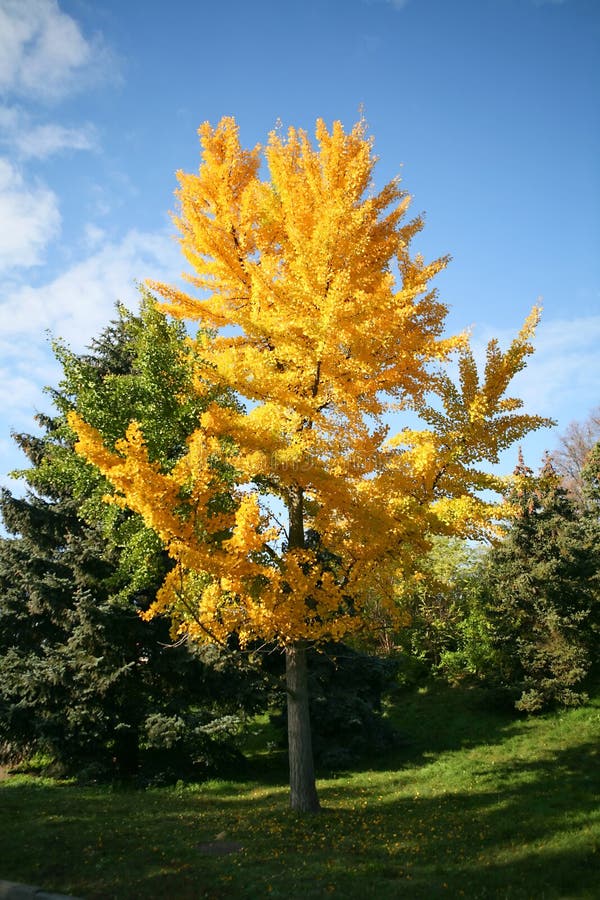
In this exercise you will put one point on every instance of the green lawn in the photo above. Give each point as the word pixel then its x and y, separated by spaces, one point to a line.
pixel 475 803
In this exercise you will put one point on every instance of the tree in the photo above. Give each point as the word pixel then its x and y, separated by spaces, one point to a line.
pixel 441 610
pixel 324 324
pixel 81 675
pixel 541 588
pixel 347 688
pixel 575 445
pixel 591 482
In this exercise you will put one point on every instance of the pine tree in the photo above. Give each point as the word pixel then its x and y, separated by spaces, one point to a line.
pixel 542 584
pixel 81 675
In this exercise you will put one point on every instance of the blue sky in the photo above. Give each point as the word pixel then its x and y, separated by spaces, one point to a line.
pixel 488 108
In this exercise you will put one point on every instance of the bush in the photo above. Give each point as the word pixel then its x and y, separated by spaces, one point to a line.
pixel 346 691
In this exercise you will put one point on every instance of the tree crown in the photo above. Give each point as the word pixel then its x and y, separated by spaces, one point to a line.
pixel 323 322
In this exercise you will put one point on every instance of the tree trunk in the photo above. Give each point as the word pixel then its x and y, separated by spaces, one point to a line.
pixel 303 790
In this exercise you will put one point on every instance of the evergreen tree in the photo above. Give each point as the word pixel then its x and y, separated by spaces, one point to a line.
pixel 542 593
pixel 81 675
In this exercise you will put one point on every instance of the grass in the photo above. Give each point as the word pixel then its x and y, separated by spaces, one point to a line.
pixel 475 804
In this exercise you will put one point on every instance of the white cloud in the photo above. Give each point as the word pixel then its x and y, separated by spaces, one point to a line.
pixel 80 302
pixel 43 55
pixel 43 52
pixel 562 376
pixel 30 219
pixel 17 133
pixel 40 141
pixel 94 235
pixel 560 381
pixel 10 118
pixel 44 140
pixel 75 306
pixel 24 369
pixel 21 382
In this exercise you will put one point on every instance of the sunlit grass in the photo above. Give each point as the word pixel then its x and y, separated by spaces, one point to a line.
pixel 474 803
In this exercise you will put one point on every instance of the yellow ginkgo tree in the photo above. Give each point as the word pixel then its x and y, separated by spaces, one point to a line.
pixel 314 312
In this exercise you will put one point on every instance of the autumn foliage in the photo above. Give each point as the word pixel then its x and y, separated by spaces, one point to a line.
pixel 289 517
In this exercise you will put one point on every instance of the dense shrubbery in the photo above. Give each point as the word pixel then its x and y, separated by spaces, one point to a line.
pixel 347 689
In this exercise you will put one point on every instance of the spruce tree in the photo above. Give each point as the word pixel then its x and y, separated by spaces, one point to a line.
pixel 542 593
pixel 81 675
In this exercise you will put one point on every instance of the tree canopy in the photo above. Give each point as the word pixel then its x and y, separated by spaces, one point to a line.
pixel 326 343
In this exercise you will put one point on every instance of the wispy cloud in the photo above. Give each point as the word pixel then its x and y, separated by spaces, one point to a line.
pixel 30 219
pixel 564 372
pixel 43 52
pixel 45 140
pixel 21 390
pixel 38 141
pixel 79 302
pixel 43 56
pixel 396 4
pixel 559 382
pixel 562 376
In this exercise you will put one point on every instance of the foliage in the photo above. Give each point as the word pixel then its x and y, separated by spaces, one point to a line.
pixel 474 655
pixel 324 344
pixel 541 590
pixel 439 605
pixel 80 674
pixel 521 618
pixel 142 368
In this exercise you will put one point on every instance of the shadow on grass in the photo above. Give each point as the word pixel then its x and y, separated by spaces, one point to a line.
pixel 435 719
pixel 531 829
pixel 522 829
pixel 439 719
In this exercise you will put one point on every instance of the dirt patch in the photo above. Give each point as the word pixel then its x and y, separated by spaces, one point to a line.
pixel 219 848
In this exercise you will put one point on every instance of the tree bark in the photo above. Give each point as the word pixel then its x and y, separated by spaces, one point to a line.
pixel 303 790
